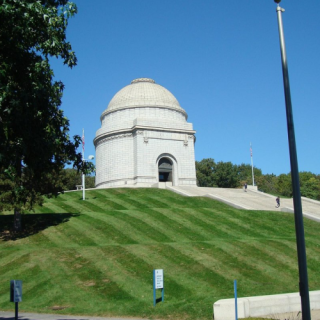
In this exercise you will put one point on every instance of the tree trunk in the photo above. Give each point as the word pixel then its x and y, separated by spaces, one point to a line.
pixel 17 220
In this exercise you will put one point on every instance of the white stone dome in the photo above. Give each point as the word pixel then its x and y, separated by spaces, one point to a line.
pixel 144 139
pixel 143 92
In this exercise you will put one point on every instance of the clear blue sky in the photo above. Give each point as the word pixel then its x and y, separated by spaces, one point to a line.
pixel 220 59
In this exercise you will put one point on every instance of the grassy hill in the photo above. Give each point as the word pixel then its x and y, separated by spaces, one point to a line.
pixel 96 256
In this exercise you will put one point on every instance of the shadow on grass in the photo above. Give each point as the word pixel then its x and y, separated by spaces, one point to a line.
pixel 31 224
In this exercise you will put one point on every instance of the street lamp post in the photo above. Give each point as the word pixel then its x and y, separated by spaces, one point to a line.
pixel 301 248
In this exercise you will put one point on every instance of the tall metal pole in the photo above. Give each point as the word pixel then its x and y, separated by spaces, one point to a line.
pixel 301 248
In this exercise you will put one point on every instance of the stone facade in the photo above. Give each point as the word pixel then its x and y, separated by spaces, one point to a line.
pixel 143 124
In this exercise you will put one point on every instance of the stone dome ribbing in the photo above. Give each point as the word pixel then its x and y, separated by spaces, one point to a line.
pixel 143 92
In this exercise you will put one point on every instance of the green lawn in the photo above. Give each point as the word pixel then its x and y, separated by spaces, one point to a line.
pixel 96 257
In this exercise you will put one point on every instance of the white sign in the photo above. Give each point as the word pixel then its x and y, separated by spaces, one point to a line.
pixel 159 278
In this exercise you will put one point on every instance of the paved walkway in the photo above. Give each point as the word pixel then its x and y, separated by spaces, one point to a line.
pixel 5 315
pixel 251 200
pixel 315 315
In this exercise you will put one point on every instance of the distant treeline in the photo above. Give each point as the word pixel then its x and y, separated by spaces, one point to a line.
pixel 228 175
pixel 70 178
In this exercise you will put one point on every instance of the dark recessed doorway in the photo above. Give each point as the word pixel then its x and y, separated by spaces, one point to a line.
pixel 165 170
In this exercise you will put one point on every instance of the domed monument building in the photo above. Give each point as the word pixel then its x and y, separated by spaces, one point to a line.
pixel 144 139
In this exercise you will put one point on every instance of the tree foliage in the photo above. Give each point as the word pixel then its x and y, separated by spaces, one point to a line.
pixel 228 175
pixel 205 172
pixel 245 173
pixel 71 178
pixel 212 174
pixel 34 133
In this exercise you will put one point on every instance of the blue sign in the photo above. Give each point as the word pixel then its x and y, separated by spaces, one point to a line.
pixel 15 291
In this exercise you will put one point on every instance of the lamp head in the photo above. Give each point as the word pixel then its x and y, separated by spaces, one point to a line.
pixel 277 1
pixel 91 157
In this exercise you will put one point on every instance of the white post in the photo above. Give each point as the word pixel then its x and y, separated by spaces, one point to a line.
pixel 83 175
pixel 83 187
pixel 252 164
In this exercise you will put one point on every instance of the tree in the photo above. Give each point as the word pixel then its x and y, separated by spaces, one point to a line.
pixel 309 185
pixel 245 173
pixel 226 175
pixel 267 183
pixel 71 178
pixel 284 185
pixel 205 172
pixel 34 133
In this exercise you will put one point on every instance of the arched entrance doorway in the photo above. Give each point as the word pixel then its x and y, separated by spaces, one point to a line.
pixel 165 170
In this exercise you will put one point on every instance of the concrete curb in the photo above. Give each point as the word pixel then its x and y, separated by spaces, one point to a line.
pixel 261 306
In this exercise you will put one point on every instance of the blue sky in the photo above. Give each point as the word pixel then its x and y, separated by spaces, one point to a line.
pixel 220 59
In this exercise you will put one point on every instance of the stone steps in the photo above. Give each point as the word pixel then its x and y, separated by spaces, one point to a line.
pixel 250 200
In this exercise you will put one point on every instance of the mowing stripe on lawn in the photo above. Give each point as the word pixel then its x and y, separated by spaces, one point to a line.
pixel 172 225
pixel 195 270
pixel 59 236
pixel 256 264
pixel 123 201
pixel 77 235
pixel 128 202
pixel 210 225
pixel 107 204
pixel 74 195
pixel 239 226
pixel 101 231
pixel 150 202
pixel 186 226
pixel 63 208
pixel 161 223
pixel 234 227
pixel 91 278
pixel 222 222
pixel 148 230
pixel 282 250
pixel 85 231
pixel 88 205
pixel 10 266
pixel 78 206
pixel 153 254
pixel 65 280
pixel 205 228
pixel 117 229
pixel 133 266
pixel 113 204
pixel 115 271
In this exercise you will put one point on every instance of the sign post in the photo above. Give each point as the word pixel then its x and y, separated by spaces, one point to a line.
pixel 16 294
pixel 235 299
pixel 158 284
